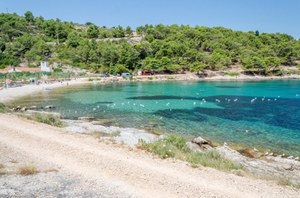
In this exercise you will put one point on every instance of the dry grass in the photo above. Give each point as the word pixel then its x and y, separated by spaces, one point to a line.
pixel 27 170
pixel 2 172
pixel 50 170
pixel 102 134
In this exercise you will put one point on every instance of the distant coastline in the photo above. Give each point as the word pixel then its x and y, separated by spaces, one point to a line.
pixel 11 94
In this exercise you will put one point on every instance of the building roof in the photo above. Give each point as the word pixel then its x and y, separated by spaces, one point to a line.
pixel 20 69
pixel 28 69
pixel 4 71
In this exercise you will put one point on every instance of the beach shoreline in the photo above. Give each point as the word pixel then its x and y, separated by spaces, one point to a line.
pixel 10 94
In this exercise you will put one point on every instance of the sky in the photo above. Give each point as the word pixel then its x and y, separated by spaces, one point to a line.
pixel 269 16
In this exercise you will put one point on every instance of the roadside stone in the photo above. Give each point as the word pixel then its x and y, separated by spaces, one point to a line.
pixel 199 140
pixel 194 147
pixel 207 147
pixel 288 167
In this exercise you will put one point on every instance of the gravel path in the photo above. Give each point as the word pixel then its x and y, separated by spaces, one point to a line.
pixel 88 168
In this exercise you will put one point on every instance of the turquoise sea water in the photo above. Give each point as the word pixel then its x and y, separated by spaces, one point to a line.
pixel 259 114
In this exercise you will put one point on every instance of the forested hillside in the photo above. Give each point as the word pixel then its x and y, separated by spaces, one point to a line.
pixel 163 49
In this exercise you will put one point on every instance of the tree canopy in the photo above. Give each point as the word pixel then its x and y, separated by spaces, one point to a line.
pixel 161 48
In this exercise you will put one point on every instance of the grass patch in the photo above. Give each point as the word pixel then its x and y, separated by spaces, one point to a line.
pixel 27 170
pixel 1 166
pixel 174 146
pixel 3 108
pixel 50 119
pixel 213 159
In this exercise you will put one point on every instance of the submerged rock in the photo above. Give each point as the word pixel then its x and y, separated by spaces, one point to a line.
pixel 89 119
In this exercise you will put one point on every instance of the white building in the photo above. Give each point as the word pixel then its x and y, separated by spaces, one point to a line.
pixel 45 67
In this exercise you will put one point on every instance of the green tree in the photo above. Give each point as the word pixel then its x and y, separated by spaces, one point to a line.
pixel 92 31
pixel 29 17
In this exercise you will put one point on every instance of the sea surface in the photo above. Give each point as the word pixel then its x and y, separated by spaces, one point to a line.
pixel 261 114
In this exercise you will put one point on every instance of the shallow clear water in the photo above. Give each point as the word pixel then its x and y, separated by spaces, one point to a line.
pixel 260 114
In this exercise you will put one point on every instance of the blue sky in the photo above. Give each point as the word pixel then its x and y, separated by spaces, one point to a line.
pixel 246 15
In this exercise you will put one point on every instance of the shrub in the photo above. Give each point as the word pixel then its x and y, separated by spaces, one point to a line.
pixel 174 146
pixel 27 170
pixel 50 119
pixel 3 108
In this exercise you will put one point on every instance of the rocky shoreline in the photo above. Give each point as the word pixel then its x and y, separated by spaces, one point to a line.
pixel 262 165
pixel 257 163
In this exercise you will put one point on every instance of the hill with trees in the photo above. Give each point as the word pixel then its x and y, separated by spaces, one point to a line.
pixel 161 49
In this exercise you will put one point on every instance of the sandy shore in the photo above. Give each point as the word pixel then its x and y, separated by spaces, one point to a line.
pixel 86 167
pixel 10 94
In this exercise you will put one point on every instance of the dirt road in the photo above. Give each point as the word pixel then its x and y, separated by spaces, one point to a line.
pixel 119 171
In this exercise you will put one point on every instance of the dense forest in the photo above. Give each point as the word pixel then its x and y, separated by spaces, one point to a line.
pixel 159 49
